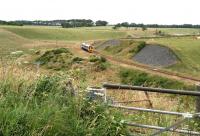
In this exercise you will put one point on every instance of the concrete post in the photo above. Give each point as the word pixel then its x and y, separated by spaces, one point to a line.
pixel 198 100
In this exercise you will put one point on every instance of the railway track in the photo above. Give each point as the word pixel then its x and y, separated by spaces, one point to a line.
pixel 146 68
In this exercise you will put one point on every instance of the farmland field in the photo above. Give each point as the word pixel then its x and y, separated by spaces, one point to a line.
pixel 54 33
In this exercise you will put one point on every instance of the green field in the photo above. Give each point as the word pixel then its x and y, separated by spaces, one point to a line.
pixel 11 42
pixel 55 33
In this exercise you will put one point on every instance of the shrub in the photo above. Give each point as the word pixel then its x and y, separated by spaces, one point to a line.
pixel 93 58
pixel 77 60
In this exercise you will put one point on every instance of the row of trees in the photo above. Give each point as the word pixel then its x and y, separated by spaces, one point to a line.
pixel 144 26
pixel 77 23
pixel 10 23
pixel 89 23
pixel 82 23
pixel 63 23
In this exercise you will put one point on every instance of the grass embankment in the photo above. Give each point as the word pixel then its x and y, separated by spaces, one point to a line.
pixel 187 50
pixel 71 34
pixel 10 42
pixel 45 106
pixel 125 49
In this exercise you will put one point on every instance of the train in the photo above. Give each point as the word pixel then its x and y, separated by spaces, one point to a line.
pixel 87 47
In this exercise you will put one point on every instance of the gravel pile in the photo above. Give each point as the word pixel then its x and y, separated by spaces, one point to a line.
pixel 156 55
pixel 109 43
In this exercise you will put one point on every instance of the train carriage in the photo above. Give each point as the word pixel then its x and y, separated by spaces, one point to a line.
pixel 87 47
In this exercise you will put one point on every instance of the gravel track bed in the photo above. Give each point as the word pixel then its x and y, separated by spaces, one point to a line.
pixel 156 55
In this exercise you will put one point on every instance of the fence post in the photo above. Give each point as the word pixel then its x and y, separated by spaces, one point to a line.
pixel 198 100
pixel 105 95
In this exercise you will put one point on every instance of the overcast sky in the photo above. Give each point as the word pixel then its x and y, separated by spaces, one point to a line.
pixel 114 11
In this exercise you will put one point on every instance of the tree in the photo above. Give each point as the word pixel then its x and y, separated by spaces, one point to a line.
pixel 77 23
pixel 117 26
pixel 125 24
pixel 144 28
pixel 101 23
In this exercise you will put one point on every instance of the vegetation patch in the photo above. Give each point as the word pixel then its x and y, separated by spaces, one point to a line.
pixel 56 58
pixel 100 63
pixel 138 48
pixel 44 107
pixel 139 78
pixel 77 60
pixel 122 48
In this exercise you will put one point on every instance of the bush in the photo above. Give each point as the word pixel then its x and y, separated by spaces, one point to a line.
pixel 77 60
pixel 94 58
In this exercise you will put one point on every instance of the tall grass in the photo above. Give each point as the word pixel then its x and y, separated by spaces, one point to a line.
pixel 45 106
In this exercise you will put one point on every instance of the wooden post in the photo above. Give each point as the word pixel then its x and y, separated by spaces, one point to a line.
pixel 198 100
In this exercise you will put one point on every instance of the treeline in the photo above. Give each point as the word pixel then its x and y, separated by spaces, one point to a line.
pixel 77 23
pixel 10 23
pixel 64 23
pixel 41 22
pixel 88 23
pixel 126 24
pixel 83 23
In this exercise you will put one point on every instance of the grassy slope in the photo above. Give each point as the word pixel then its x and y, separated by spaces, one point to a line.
pixel 185 31
pixel 125 50
pixel 10 42
pixel 188 51
pixel 54 33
